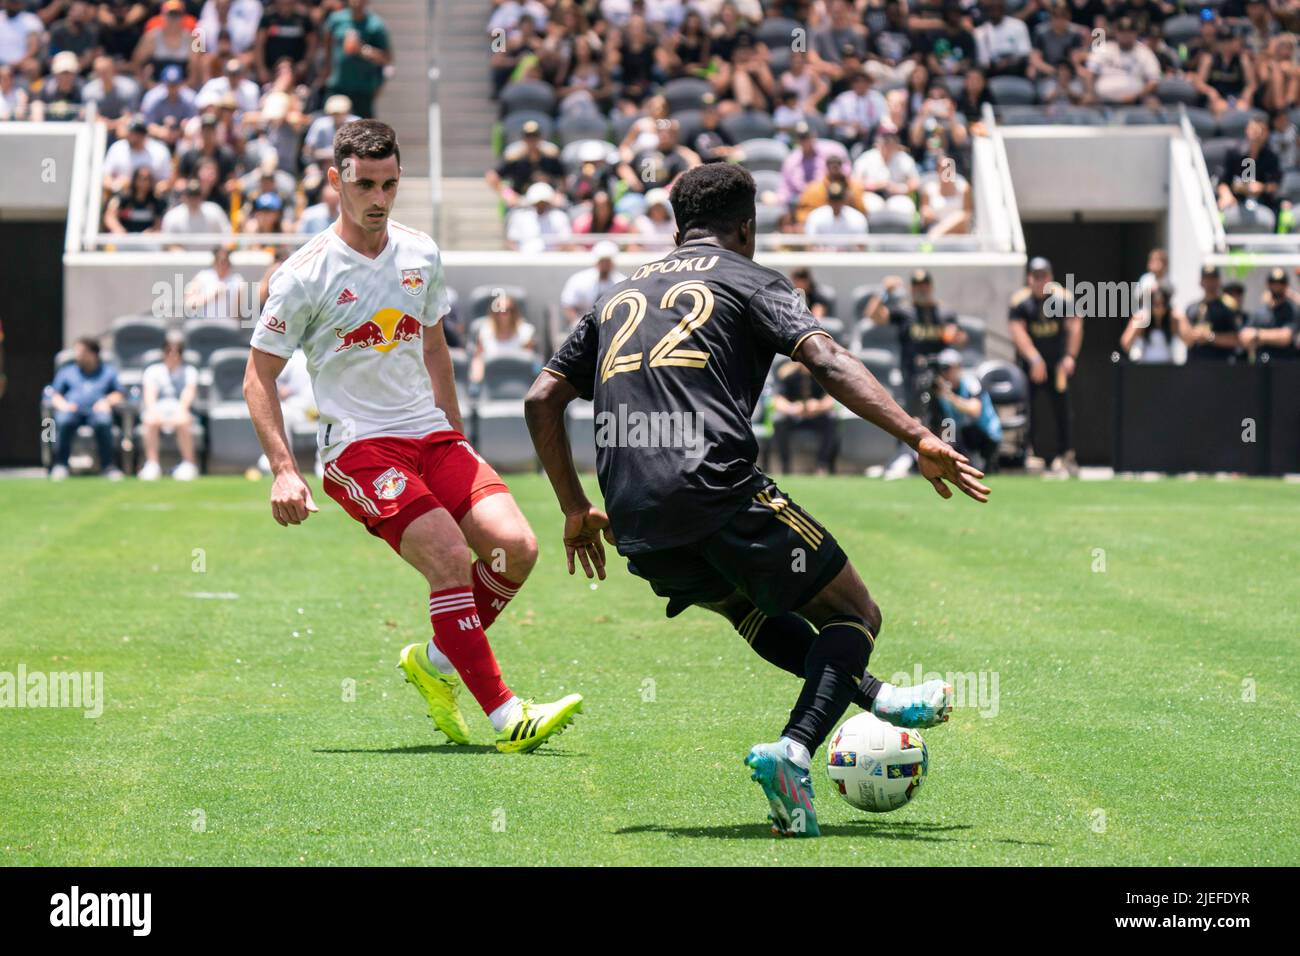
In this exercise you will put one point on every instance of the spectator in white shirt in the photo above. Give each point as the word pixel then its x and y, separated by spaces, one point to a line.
pixel 658 219
pixel 1123 71
pixel 169 388
pixel 1002 43
pixel 218 292
pixel 233 81
pixel 131 152
pixel 20 38
pixel 888 174
pixel 239 18
pixel 583 288
pixel 836 218
pixel 855 113
pixel 13 98
pixel 503 332
pixel 193 216
pixel 529 228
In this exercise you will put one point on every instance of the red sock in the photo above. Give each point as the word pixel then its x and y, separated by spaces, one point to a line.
pixel 492 593
pixel 458 633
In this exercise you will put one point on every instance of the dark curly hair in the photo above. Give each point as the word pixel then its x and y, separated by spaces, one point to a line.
pixel 366 139
pixel 717 197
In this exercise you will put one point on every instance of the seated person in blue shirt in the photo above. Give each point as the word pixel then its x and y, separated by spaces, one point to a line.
pixel 85 392
pixel 975 430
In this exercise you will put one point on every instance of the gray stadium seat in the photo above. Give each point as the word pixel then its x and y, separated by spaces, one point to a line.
pixel 1012 91
pixel 619 124
pixel 976 330
pixel 1080 116
pixel 889 222
pixel 1249 217
pixel 1140 116
pixel 779 32
pixel 512 127
pixel 533 95
pixel 767 180
pixel 883 364
pixel 1216 152
pixel 778 59
pixel 1232 124
pixel 508 377
pixel 685 93
pixel 1180 29
pixel 1023 116
pixel 1173 89
pixel 860 296
pixel 501 435
pixel 760 154
pixel 581 426
pixel 227 367
pixel 1202 120
pixel 869 335
pixel 133 335
pixel 689 126
pixel 751 124
pixel 206 336
pixel 1290 187
pixel 768 217
pixel 579 127
pixel 954 84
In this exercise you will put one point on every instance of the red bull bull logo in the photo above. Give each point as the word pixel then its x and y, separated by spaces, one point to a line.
pixel 383 332
pixel 412 281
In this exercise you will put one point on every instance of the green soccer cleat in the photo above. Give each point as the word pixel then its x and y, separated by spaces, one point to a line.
pixel 788 789
pixel 531 725
pixel 921 706
pixel 439 691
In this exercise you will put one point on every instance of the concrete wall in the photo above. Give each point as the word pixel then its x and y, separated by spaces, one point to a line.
pixel 38 164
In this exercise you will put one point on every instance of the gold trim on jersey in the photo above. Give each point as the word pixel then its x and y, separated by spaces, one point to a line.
pixel 789 515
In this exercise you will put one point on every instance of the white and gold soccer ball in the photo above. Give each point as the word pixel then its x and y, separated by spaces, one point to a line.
pixel 876 766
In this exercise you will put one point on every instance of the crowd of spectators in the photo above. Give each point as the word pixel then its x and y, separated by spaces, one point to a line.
pixel 220 114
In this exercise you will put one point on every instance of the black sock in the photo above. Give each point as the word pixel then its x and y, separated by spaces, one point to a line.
pixel 786 640
pixel 832 679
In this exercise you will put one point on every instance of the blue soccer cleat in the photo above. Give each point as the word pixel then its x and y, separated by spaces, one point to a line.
pixel 788 789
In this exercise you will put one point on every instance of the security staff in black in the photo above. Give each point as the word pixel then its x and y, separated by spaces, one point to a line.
pixel 1273 331
pixel 687 341
pixel 1213 322
pixel 1048 336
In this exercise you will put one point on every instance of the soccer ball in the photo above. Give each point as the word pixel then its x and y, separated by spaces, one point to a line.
pixel 876 766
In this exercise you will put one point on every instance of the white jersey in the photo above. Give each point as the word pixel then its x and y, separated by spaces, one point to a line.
pixel 360 322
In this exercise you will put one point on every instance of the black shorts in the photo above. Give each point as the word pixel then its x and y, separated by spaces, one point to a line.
pixel 771 551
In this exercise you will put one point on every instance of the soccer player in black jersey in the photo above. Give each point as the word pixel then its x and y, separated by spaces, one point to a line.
pixel 675 358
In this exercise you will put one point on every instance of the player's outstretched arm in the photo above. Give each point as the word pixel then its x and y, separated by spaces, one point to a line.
pixel 584 525
pixel 854 387
pixel 291 500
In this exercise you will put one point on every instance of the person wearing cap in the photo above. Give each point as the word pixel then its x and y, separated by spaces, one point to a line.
pixel 1002 43
pixel 1210 328
pixel 1048 338
pixel 135 149
pixel 1273 332
pixel 807 162
pixel 59 98
pixel 925 327
pixel 193 215
pixel 525 162
pixel 537 225
pixel 584 287
pixel 815 194
pixel 836 218
pixel 268 215
pixel 356 52
pixel 168 105
pixel 854 114
pixel 960 400
pixel 1123 72
pixel 20 38
pixel 284 32
pixel 888 174
pixel 1225 74
pixel 318 145
pixel 657 217
pixel 232 82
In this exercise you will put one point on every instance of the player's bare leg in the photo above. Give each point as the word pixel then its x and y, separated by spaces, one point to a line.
pixel 506 549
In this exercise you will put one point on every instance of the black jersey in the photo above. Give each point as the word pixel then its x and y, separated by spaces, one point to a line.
pixel 674 359
pixel 1044 320
pixel 1221 316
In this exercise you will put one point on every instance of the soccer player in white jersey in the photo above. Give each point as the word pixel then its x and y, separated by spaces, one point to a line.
pixel 365 300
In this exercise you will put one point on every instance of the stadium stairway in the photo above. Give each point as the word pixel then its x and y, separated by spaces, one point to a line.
pixel 404 104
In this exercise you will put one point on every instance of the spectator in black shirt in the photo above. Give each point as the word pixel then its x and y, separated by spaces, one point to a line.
pixel 285 32
pixel 76 33
pixel 801 404
pixel 1211 326
pixel 816 303
pixel 712 143
pixel 1055 42
pixel 656 168
pixel 60 95
pixel 891 50
pixel 209 146
pixel 1251 170
pixel 1271 334
pixel 1225 77
pixel 528 161
pixel 136 208
pixel 951 50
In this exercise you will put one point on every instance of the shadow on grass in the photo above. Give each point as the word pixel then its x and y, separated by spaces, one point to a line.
pixel 901 830
pixel 441 750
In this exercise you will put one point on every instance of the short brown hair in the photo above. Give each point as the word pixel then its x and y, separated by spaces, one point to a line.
pixel 367 139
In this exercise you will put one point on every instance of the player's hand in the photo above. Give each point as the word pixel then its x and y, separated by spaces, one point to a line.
pixel 940 462
pixel 582 534
pixel 291 501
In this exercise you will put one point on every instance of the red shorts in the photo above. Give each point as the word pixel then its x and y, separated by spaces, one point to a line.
pixel 386 483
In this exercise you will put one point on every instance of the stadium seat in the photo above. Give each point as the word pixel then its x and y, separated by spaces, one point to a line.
pixel 768 217
pixel 1140 116
pixel 869 335
pixel 891 222
pixel 860 296
pixel 501 435
pixel 581 127
pixel 512 127
pixel 227 367
pixel 1248 217
pixel 767 180
pixel 460 375
pixel 883 364
pixel 779 32
pixel 750 124
pixel 1232 124
pixel 1173 89
pixel 760 154
pixel 581 426
pixel 1290 187
pixel 480 298
pixel 533 95
pixel 1079 116
pixel 818 124
pixel 1022 116
pixel 619 124
pixel 508 377
pixel 205 336
pixel 685 93
pixel 976 330
pixel 133 335
pixel 1012 91
pixel 1008 389
pixel 830 297
pixel 689 125
pixel 1178 30
pixel 1202 120
pixel 1216 152
pixel 778 59
pixel 575 153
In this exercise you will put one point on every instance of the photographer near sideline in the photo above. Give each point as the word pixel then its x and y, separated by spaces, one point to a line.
pixel 965 414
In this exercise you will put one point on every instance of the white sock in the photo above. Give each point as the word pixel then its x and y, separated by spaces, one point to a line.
pixel 438 659
pixel 501 716
pixel 797 752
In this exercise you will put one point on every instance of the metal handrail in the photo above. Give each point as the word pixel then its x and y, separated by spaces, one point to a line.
pixel 1005 182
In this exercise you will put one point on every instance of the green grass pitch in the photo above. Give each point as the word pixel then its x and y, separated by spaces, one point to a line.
pixel 1144 639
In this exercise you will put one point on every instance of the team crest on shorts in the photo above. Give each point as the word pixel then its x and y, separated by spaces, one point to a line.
pixel 390 484
pixel 412 281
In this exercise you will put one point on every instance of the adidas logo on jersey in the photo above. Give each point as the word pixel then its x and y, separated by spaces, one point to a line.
pixel 275 324
pixel 345 297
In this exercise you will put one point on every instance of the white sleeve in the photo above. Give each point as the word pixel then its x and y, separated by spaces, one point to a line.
pixel 285 315
pixel 569 293
pixel 436 301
